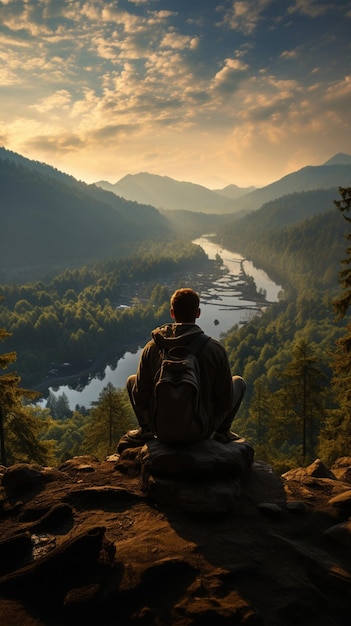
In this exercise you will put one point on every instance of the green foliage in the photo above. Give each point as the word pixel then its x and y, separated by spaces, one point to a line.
pixel 95 431
pixel 336 436
pixel 19 426
pixel 304 259
pixel 78 314
pixel 283 354
pixel 55 216
pixel 65 435
pixel 108 421
pixel 58 407
pixel 288 411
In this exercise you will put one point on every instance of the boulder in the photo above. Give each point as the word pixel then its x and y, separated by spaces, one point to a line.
pixel 22 476
pixel 342 469
pixel 317 469
pixel 203 478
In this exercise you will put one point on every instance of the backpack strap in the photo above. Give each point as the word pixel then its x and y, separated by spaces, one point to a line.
pixel 198 343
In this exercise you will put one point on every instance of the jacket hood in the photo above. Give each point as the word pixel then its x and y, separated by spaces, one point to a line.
pixel 174 335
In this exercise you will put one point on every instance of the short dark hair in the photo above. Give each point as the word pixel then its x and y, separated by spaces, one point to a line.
pixel 185 304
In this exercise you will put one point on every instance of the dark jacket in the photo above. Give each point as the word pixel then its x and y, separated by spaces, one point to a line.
pixel 215 375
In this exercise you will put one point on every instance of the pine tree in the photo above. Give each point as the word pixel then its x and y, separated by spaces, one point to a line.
pixel 343 302
pixel 18 428
pixel 109 420
pixel 302 399
pixel 336 438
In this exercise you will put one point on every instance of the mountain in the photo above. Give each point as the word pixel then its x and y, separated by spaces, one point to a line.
pixel 339 159
pixel 332 174
pixel 279 213
pixel 166 193
pixel 49 218
pixel 233 191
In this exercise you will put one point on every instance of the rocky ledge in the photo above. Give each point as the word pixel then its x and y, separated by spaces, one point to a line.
pixel 159 537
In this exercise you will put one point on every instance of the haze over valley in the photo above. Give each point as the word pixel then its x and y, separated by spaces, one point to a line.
pixel 52 220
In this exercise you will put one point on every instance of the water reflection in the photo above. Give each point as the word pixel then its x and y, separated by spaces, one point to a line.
pixel 222 307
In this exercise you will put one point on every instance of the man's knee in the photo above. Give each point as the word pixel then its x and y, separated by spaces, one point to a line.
pixel 239 385
pixel 131 382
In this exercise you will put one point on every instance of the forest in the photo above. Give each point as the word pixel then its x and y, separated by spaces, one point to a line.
pixel 292 356
pixel 84 312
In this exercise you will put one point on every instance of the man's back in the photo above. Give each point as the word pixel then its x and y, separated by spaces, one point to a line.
pixel 216 387
pixel 220 393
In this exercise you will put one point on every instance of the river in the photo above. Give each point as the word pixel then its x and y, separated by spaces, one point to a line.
pixel 221 308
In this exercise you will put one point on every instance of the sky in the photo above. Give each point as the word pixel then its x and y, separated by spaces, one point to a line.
pixel 215 93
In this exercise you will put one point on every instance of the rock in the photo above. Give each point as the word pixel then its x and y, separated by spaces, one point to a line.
pixel 342 502
pixel 129 461
pixel 211 500
pixel 22 476
pixel 342 469
pixel 80 463
pixel 340 533
pixel 14 552
pixel 122 557
pixel 58 515
pixel 261 484
pixel 65 565
pixel 202 478
pixel 272 510
pixel 317 469
pixel 113 458
pixel 203 461
pixel 101 497
pixel 297 507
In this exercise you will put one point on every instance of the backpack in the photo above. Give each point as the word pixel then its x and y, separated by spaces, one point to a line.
pixel 176 413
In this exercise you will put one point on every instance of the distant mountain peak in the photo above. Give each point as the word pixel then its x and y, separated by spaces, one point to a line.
pixel 339 159
pixel 167 193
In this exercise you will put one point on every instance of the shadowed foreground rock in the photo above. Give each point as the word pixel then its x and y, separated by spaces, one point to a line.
pixel 118 543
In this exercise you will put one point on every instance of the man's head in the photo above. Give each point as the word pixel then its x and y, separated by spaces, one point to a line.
pixel 185 306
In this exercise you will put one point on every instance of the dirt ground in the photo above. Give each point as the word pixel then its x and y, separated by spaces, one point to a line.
pixel 84 544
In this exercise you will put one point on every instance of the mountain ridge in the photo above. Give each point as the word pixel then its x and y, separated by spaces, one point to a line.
pixel 166 193
pixel 169 194
pixel 88 223
pixel 91 223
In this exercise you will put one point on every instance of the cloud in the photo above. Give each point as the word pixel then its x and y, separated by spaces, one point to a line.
pixel 312 8
pixel 339 90
pixel 52 143
pixel 111 131
pixel 204 85
pixel 245 15
pixel 60 100
pixel 176 41
pixel 229 77
pixel 289 54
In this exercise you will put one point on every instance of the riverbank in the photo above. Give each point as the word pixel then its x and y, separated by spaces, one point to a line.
pixel 230 296
pixel 78 377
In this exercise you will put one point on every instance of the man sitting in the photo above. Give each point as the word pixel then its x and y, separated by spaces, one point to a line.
pixel 221 394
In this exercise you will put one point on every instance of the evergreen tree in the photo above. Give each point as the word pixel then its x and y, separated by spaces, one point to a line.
pixel 336 437
pixel 343 302
pixel 298 406
pixel 58 406
pixel 109 420
pixel 19 429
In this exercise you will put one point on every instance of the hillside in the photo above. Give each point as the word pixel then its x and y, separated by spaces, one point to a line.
pixel 167 193
pixel 308 178
pixel 52 219
pixel 277 214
